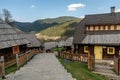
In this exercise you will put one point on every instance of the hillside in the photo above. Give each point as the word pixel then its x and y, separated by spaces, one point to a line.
pixel 62 30
pixel 42 24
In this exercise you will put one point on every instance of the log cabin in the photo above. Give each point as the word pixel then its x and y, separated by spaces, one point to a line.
pixel 11 41
pixel 34 42
pixel 99 32
pixel 69 44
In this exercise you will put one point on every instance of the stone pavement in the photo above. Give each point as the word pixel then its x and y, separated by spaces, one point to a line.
pixel 42 67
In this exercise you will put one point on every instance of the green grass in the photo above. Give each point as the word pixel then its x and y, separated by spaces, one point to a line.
pixel 62 29
pixel 10 69
pixel 80 71
pixel 57 49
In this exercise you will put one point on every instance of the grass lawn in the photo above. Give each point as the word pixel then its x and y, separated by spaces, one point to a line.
pixel 80 70
pixel 10 69
pixel 57 49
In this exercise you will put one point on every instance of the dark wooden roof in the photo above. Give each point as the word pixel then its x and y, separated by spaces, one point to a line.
pixel 34 42
pixel 96 19
pixel 108 39
pixel 50 45
pixel 79 34
pixel 69 41
pixel 10 36
pixel 108 18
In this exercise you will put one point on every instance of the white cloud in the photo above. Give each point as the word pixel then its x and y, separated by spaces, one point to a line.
pixel 118 10
pixel 82 16
pixel 32 6
pixel 73 7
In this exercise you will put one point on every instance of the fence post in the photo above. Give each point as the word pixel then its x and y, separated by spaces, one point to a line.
pixel 17 61
pixel 3 67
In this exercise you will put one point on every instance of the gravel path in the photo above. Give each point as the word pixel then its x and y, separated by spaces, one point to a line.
pixel 43 67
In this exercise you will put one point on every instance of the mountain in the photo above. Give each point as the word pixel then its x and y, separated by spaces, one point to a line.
pixel 62 30
pixel 42 24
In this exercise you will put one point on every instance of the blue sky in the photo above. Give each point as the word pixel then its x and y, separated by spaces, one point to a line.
pixel 31 10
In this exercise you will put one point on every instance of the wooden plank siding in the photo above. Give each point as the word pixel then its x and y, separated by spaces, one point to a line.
pixel 105 55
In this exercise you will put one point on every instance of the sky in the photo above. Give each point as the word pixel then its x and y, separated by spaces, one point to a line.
pixel 31 10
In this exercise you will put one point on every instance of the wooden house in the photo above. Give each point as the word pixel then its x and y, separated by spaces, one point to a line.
pixel 11 41
pixel 50 45
pixel 69 43
pixel 100 33
pixel 34 42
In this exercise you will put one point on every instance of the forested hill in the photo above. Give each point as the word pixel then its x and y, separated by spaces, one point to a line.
pixel 42 24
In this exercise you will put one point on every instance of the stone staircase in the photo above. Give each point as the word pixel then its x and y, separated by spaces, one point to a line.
pixel 106 69
pixel 42 67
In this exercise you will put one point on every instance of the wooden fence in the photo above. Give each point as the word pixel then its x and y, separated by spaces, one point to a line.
pixel 74 57
pixel 117 65
pixel 21 59
pixel 2 67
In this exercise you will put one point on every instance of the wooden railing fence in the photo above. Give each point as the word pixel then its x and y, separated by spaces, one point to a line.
pixel 117 65
pixel 21 59
pixel 74 57
pixel 2 67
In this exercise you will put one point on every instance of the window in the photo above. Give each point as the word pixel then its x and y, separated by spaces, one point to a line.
pixel 106 27
pixel 15 49
pixel 91 28
pixel 96 27
pixel 111 50
pixel 118 27
pixel 112 27
pixel 101 27
pixel 86 49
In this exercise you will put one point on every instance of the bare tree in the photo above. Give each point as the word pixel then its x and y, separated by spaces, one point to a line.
pixel 0 17
pixel 7 17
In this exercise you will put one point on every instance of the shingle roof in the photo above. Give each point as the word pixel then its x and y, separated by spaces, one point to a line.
pixel 108 39
pixel 79 32
pixel 108 18
pixel 34 42
pixel 50 45
pixel 69 41
pixel 9 36
pixel 96 19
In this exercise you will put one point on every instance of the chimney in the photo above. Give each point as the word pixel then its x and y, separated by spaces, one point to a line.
pixel 113 9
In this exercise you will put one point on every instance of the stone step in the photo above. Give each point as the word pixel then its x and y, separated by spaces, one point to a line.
pixel 110 76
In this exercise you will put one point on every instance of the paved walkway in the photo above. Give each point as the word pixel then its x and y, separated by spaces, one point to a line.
pixel 43 67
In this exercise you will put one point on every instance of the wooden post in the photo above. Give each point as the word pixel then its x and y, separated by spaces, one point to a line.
pixel 90 59
pixel 119 65
pixel 3 67
pixel 17 61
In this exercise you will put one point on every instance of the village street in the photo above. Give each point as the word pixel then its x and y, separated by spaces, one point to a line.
pixel 42 67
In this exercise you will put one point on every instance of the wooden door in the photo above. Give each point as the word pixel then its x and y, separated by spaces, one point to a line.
pixel 98 52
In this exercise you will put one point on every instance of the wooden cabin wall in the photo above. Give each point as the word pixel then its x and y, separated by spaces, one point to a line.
pixel 110 56
pixel 105 55
pixel 23 48
pixel 7 53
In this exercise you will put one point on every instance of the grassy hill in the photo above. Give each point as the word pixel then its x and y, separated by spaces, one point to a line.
pixel 42 24
pixel 65 29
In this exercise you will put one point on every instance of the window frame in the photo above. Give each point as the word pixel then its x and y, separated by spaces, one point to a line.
pixel 86 49
pixel 110 52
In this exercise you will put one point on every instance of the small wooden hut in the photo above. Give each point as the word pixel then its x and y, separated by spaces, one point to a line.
pixel 69 44
pixel 11 41
pixel 34 42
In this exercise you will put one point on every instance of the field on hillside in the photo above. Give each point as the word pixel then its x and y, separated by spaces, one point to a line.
pixel 62 30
